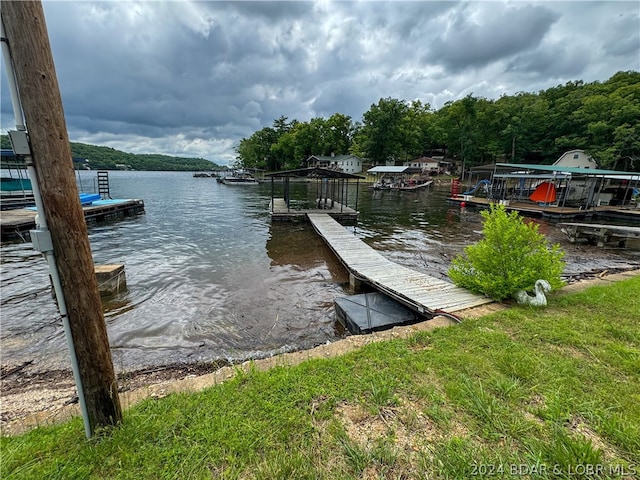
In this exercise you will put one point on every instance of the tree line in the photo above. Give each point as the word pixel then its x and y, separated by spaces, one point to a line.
pixel 107 158
pixel 602 118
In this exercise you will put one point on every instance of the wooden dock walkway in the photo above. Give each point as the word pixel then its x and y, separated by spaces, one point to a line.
pixel 418 291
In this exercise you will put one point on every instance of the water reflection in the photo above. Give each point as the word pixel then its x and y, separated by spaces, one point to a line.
pixel 298 246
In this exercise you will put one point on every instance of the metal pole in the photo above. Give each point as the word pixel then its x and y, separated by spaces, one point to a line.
pixel 357 191
pixel 272 195
pixel 11 79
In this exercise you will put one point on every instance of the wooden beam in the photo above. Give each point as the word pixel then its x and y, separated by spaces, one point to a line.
pixel 35 74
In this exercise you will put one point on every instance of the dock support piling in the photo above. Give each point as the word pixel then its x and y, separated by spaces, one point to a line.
pixel 355 284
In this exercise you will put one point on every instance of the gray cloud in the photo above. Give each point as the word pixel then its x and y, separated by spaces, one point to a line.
pixel 625 39
pixel 192 78
pixel 558 61
pixel 474 37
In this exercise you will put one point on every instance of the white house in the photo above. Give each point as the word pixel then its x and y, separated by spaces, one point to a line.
pixel 426 164
pixel 344 163
pixel 576 158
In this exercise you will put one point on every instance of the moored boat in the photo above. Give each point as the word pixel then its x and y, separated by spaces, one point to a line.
pixel 239 177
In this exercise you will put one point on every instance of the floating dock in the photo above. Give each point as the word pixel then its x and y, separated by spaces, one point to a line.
pixel 601 234
pixel 525 207
pixel 17 223
pixel 552 212
pixel 418 291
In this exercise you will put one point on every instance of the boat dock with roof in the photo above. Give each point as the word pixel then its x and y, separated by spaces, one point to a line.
pixel 331 196
pixel 558 192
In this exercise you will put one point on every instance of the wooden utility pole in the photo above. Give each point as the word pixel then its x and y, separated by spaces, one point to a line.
pixel 35 75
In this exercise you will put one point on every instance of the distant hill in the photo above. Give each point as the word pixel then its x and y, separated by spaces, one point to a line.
pixel 107 158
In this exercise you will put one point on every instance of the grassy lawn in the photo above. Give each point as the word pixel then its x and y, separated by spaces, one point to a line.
pixel 552 393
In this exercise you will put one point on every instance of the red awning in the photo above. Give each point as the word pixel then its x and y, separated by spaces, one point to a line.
pixel 545 193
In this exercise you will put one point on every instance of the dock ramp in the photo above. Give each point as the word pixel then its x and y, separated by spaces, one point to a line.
pixel 418 291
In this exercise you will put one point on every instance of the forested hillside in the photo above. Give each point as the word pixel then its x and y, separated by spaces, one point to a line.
pixel 602 118
pixel 106 158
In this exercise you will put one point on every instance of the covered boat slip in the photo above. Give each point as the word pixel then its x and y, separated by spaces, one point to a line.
pixel 402 178
pixel 331 196
pixel 15 186
pixel 557 191
pixel 16 190
pixel 418 291
pixel 564 186
pixel 283 212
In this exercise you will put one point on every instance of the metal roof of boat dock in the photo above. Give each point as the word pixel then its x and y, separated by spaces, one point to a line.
pixel 394 169
pixel 314 172
pixel 592 172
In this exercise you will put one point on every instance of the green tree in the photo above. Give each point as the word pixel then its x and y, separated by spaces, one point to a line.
pixel 417 129
pixel 511 257
pixel 255 151
pixel 382 135
pixel 520 125
pixel 338 134
pixel 309 138
pixel 458 121
pixel 284 150
pixel 626 142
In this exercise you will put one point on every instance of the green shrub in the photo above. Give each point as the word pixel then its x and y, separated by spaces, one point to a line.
pixel 511 257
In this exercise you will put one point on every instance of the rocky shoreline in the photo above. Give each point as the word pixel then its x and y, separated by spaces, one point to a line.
pixel 31 398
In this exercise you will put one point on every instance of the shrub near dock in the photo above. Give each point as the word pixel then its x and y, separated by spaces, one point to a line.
pixel 511 257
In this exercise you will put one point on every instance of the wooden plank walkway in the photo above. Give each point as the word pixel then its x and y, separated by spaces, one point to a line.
pixel 416 290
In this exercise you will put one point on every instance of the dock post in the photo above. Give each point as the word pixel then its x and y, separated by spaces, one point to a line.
pixel 111 279
pixel 355 285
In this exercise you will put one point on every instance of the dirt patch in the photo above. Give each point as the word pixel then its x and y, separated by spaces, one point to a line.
pixel 579 426
pixel 30 399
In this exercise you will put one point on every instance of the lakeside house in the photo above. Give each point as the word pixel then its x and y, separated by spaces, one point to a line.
pixel 343 163
pixel 576 158
pixel 430 165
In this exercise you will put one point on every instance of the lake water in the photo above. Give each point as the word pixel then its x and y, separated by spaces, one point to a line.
pixel 209 277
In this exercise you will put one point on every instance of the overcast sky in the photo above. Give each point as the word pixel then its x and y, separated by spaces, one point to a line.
pixel 193 78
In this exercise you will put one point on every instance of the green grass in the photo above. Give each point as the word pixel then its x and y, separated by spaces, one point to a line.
pixel 551 393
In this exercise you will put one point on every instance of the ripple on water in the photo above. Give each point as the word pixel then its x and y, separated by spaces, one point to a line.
pixel 209 277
